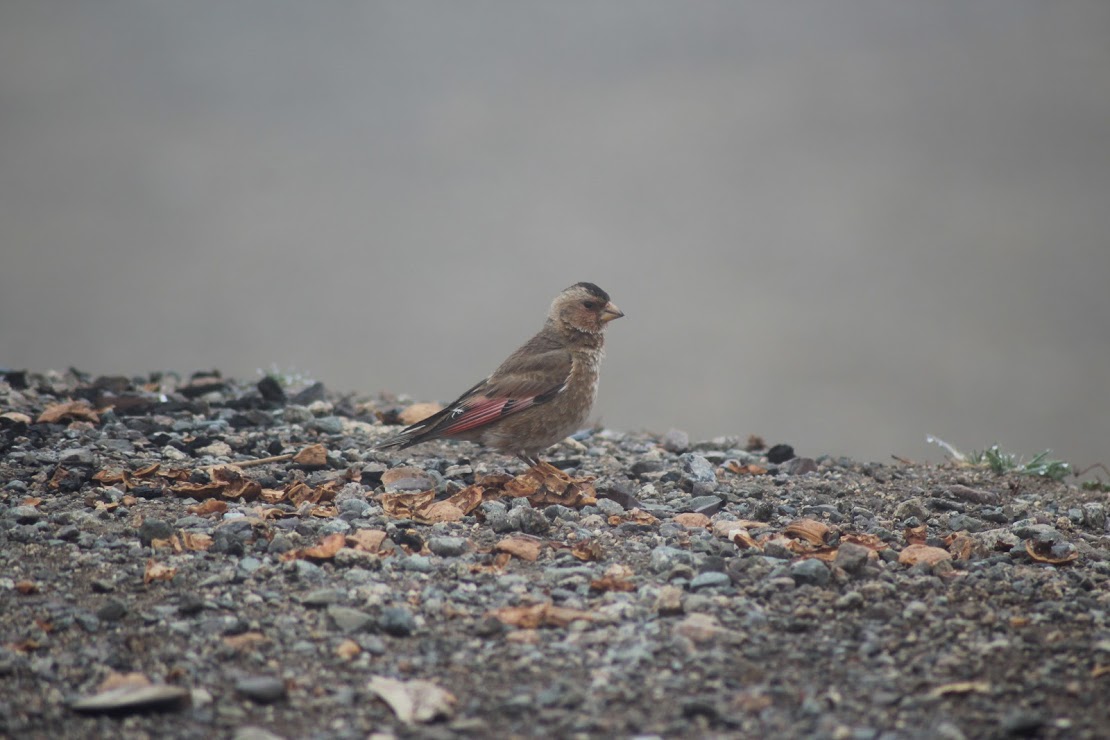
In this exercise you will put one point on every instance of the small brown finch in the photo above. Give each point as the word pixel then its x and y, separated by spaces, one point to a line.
pixel 540 394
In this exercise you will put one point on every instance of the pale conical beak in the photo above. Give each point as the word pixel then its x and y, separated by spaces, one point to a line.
pixel 610 312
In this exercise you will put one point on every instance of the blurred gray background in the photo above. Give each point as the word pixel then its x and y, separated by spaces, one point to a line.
pixel 838 224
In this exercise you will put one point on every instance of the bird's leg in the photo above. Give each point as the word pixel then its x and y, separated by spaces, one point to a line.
pixel 531 461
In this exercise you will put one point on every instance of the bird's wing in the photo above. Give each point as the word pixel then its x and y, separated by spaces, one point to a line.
pixel 534 374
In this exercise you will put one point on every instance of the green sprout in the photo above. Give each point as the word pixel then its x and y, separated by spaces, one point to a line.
pixel 1001 462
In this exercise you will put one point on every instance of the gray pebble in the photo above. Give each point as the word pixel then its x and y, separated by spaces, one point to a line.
pixel 111 611
pixel 810 572
pixel 664 558
pixel 349 620
pixel 710 579
pixel 447 547
pixel 322 597
pixel 852 557
pixel 609 507
pixel 397 621
pixel 25 514
pixel 262 689
pixel 676 440
pixel 697 468
pixel 528 520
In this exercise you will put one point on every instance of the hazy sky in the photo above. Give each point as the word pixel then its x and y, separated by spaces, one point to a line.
pixel 841 225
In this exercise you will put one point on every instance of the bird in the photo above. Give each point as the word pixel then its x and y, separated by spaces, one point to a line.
pixel 540 394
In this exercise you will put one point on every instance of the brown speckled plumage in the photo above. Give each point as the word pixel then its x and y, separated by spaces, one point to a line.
pixel 540 393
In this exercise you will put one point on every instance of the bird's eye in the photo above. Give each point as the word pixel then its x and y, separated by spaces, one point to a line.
pixel 591 305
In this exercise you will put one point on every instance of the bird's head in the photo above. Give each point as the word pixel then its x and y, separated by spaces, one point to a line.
pixel 583 307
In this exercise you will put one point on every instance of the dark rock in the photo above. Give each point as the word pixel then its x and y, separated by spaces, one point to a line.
pixel 799 466
pixel 271 389
pixel 676 440
pixel 311 394
pixel 780 453
pixel 397 621
pixel 154 529
pixel 111 611
pixel 810 572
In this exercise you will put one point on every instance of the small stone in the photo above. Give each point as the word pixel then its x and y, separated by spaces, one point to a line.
pixel 417 563
pixel 216 449
pixel 780 453
pixel 710 579
pixel 707 505
pixel 261 689
pixel 354 508
pixel 911 507
pixel 664 558
pixel 676 440
pixel 810 572
pixel 25 514
pixel 852 557
pixel 447 547
pixel 697 468
pixel 799 466
pixel 307 571
pixel 349 620
pixel 669 600
pixel 397 621
pixel 643 467
pixel 609 507
pixel 111 611
pixel 528 520
pixel 322 597
pixel 271 389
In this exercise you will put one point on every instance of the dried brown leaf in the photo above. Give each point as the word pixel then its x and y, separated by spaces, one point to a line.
pixel 169 543
pixel 348 649
pixel 636 516
pixel 812 531
pixel 742 539
pixel 916 535
pixel 158 572
pixel 313 456
pixel 545 485
pixel 369 540
pixel 405 505
pixel 587 550
pixel 539 615
pixel 733 466
pixel 26 587
pixel 245 641
pixel 324 511
pixel 870 541
pixel 327 548
pixel 521 547
pixel 80 410
pixel 208 508
pixel 272 495
pixel 468 499
pixel 111 476
pixel 612 583
pixel 195 541
pixel 692 520
pixel 914 554
pixel 438 511
pixel 1043 552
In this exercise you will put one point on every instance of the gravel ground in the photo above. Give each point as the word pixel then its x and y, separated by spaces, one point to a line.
pixel 160 578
